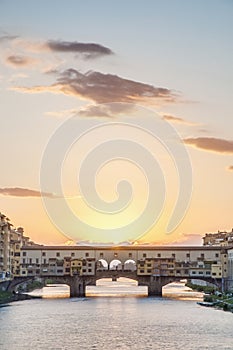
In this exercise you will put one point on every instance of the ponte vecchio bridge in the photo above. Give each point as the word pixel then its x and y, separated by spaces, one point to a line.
pixel 151 266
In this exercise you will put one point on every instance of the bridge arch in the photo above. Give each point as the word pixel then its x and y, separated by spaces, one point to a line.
pixel 102 265
pixel 130 265
pixel 115 264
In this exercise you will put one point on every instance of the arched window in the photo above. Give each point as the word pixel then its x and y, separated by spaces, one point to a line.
pixel 130 265
pixel 101 265
pixel 115 265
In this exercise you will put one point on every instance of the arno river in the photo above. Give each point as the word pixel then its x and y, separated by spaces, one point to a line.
pixel 109 323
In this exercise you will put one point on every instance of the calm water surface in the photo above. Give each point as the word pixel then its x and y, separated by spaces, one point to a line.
pixel 114 323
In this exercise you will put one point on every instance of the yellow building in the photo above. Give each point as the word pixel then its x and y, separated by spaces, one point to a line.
pixel 216 270
pixel 144 267
pixel 76 267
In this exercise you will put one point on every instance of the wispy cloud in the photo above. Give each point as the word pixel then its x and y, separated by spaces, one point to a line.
pixel 87 50
pixel 172 118
pixel 7 37
pixel 109 110
pixel 230 168
pixel 211 144
pixel 104 88
pixel 25 192
pixel 20 61
pixel 63 113
pixel 83 50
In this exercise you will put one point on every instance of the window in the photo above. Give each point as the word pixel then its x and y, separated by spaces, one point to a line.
pixel 89 270
pixel 44 261
pixel 130 255
pixel 30 260
pixel 173 255
pixel 202 255
pixel 149 271
pixel 72 254
pixel 193 272
pixel 24 261
pixel 87 254
pixel 101 255
pixel 159 255
pixel 144 255
pixel 84 270
pixel 141 271
pixel 24 253
pixel 207 272
pixel 187 255
pixel 148 265
pixel 116 255
pixel 200 272
pixel 67 269
pixel 58 254
pixel 216 255
pixel 23 272
pixel 89 264
pixel 43 254
pixel 37 261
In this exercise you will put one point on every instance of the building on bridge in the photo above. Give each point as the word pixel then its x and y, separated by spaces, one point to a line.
pixel 183 262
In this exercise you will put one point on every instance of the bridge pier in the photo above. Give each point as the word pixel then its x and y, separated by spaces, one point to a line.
pixel 77 287
pixel 155 286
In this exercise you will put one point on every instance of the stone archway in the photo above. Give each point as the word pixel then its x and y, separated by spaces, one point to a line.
pixel 130 265
pixel 102 265
pixel 115 264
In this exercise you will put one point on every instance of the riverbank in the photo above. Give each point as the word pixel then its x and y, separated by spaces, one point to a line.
pixel 8 297
pixel 223 302
pixel 213 298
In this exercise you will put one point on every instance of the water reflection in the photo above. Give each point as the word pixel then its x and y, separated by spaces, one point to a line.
pixel 121 288
pixel 178 290
pixel 52 291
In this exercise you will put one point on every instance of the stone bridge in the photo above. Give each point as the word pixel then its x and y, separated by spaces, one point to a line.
pixel 78 283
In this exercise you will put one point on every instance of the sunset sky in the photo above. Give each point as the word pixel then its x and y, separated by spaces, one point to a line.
pixel 115 61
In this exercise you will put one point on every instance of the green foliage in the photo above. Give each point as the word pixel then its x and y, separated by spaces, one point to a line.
pixel 49 281
pixel 33 285
pixel 199 288
pixel 5 297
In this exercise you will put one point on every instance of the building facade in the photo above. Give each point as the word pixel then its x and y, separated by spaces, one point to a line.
pixel 5 261
pixel 183 262
pixel 220 238
pixel 11 242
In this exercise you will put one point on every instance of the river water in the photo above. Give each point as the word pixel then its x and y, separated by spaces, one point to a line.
pixel 109 323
